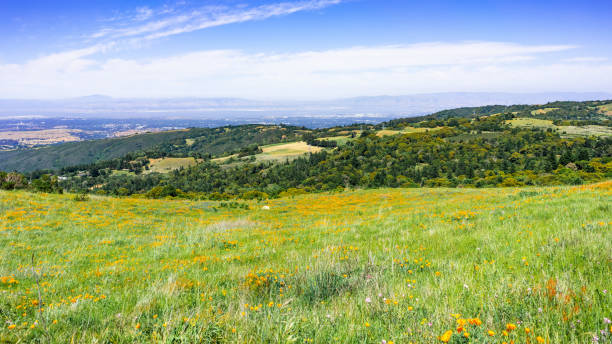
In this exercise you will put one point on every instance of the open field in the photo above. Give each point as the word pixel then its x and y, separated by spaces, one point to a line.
pixel 401 265
pixel 531 122
pixel 587 130
pixel 276 152
pixel 606 109
pixel 406 130
pixel 340 140
pixel 284 151
pixel 543 111
pixel 165 165
pixel 41 137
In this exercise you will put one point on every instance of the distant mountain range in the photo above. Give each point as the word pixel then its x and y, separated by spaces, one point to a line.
pixel 204 108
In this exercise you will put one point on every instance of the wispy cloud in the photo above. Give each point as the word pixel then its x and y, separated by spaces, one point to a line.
pixel 586 59
pixel 366 70
pixel 150 24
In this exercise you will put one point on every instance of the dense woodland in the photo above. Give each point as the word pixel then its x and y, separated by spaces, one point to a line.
pixel 467 147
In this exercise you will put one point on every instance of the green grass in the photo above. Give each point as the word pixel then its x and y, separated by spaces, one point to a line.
pixel 587 130
pixel 567 131
pixel 166 165
pixel 340 140
pixel 531 122
pixel 406 130
pixel 284 151
pixel 354 267
pixel 122 173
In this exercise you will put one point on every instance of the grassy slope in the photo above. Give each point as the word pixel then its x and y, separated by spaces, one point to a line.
pixel 570 130
pixel 165 165
pixel 277 152
pixel 178 142
pixel 130 270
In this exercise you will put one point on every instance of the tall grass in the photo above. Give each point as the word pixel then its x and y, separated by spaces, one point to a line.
pixel 524 265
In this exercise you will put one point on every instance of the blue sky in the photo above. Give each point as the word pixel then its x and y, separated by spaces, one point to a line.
pixel 301 49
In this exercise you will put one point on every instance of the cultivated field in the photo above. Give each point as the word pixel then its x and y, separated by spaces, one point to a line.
pixel 528 265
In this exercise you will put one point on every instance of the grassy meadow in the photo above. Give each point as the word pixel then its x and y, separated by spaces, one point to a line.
pixel 565 131
pixel 529 265
pixel 165 165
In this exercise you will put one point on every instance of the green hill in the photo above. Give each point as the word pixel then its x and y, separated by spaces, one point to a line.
pixel 193 142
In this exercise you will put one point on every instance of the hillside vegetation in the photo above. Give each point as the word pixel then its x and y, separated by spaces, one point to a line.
pixel 194 142
pixel 523 265
pixel 467 153
pixel 550 144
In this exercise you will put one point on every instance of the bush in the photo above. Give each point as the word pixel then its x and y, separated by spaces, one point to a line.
pixel 82 197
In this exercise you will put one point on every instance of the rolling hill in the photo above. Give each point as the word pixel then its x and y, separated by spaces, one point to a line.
pixel 188 142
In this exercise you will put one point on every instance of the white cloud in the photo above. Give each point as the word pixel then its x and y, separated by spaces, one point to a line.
pixel 173 21
pixel 586 59
pixel 399 69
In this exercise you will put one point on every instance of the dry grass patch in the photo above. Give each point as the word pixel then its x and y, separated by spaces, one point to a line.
pixel 41 137
pixel 543 111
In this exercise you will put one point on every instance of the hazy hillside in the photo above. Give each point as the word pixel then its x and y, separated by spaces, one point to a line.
pixel 205 141
pixel 216 141
pixel 404 105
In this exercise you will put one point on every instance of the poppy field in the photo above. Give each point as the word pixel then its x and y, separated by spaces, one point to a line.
pixel 492 265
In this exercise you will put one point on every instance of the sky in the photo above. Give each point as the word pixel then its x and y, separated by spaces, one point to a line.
pixel 301 49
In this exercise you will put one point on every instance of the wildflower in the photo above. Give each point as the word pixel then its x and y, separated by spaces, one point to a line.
pixel 510 327
pixel 367 324
pixel 12 326
pixel 475 321
pixel 137 326
pixel 368 300
pixel 607 321
pixel 466 334
pixel 490 333
pixel 446 336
